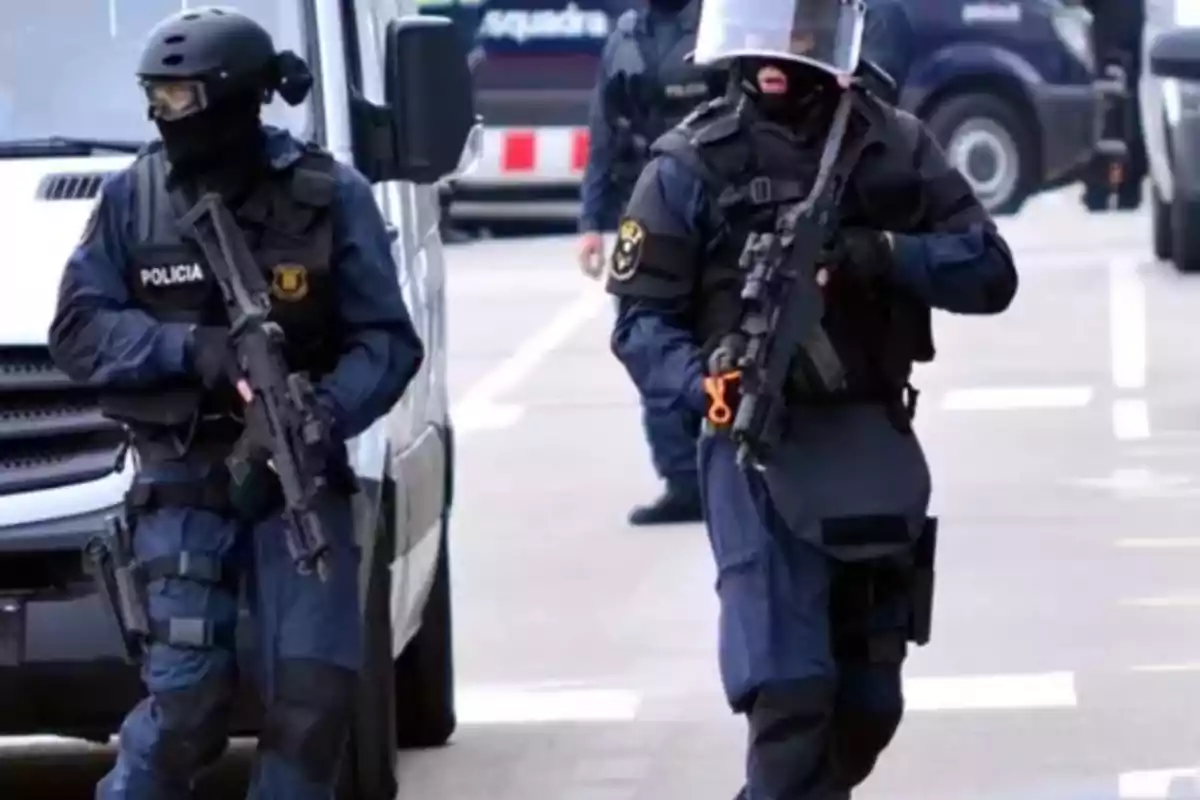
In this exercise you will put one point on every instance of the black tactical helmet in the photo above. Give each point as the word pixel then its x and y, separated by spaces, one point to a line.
pixel 195 58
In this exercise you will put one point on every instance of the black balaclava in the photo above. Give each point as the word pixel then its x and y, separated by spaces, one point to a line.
pixel 810 90
pixel 223 145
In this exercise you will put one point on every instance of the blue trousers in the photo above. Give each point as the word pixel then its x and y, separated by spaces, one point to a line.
pixel 672 433
pixel 819 714
pixel 308 640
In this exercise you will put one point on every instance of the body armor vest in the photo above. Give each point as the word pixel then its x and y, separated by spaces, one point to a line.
pixel 650 93
pixel 287 223
pixel 750 167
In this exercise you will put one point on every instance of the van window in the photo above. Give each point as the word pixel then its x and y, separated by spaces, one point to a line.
pixel 67 66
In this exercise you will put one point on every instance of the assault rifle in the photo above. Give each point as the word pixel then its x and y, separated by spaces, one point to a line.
pixel 286 401
pixel 780 339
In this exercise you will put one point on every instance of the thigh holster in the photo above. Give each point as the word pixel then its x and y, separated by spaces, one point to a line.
pixel 878 606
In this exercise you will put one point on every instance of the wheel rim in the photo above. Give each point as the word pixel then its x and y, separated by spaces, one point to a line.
pixel 987 156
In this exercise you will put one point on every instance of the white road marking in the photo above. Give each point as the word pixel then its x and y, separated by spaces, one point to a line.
pixel 1159 543
pixel 1165 668
pixel 1131 419
pixel 1164 601
pixel 991 692
pixel 1139 482
pixel 516 706
pixel 1127 340
pixel 1017 398
pixel 1156 784
pixel 1127 324
pixel 480 409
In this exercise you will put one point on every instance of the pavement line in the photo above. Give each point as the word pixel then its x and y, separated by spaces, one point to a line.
pixel 1160 669
pixel 1131 419
pixel 1164 601
pixel 515 706
pixel 991 692
pixel 1159 543
pixel 1127 324
pixel 479 408
pixel 1015 398
pixel 1158 784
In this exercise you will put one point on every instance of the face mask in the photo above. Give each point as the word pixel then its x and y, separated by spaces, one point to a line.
pixel 225 138
pixel 808 89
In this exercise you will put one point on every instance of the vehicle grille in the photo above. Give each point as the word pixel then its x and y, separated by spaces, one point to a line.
pixel 51 430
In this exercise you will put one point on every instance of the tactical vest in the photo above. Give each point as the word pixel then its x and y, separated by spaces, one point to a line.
pixel 750 167
pixel 287 223
pixel 656 92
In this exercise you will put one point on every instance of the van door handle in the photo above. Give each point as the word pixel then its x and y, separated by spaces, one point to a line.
pixel 393 233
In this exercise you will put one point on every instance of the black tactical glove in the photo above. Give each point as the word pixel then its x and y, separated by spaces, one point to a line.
pixel 861 253
pixel 213 358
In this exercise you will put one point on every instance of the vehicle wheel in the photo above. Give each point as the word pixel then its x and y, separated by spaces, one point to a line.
pixel 1185 235
pixel 368 769
pixel 424 675
pixel 991 145
pixel 1160 219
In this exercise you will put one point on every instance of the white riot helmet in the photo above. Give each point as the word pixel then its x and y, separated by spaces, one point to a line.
pixel 826 34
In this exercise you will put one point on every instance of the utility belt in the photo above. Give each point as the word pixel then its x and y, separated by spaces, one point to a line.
pixel 900 402
pixel 123 580
pixel 879 605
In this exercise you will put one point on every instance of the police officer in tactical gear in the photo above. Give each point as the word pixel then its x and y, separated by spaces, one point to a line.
pixel 645 86
pixel 824 552
pixel 140 316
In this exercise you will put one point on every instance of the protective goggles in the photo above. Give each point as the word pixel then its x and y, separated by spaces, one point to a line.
pixel 175 99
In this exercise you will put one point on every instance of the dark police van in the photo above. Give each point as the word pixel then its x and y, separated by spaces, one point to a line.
pixel 1007 86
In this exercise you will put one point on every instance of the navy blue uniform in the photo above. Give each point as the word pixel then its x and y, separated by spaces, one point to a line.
pixel 810 657
pixel 308 630
pixel 644 87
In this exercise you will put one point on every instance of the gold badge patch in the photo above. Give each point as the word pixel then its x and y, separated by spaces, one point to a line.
pixel 289 282
pixel 628 251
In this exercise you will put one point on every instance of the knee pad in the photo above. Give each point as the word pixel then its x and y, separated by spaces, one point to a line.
pixel 789 730
pixel 308 719
pixel 857 738
pixel 193 724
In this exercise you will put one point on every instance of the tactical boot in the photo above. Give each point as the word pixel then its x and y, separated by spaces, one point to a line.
pixel 677 504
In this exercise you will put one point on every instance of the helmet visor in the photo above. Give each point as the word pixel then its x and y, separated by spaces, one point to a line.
pixel 826 34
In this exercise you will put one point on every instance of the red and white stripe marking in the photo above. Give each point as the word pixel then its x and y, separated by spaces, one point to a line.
pixel 531 156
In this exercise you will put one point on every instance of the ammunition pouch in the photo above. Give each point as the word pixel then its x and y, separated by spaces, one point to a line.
pixel 878 606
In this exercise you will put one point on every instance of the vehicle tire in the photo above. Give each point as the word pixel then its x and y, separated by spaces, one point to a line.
pixel 424 673
pixel 1185 235
pixel 1160 220
pixel 368 770
pixel 991 144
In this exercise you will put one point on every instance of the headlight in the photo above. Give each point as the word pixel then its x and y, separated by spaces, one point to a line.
pixel 1181 99
pixel 1074 28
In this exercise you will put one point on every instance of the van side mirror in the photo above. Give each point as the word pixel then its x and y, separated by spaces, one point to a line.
pixel 420 134
pixel 1176 54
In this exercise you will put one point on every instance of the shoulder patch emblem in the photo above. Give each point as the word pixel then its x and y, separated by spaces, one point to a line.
pixel 289 282
pixel 627 253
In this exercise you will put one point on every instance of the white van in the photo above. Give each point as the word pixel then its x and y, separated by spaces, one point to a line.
pixel 392 96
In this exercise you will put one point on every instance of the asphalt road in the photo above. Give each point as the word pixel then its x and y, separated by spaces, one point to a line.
pixel 1065 440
